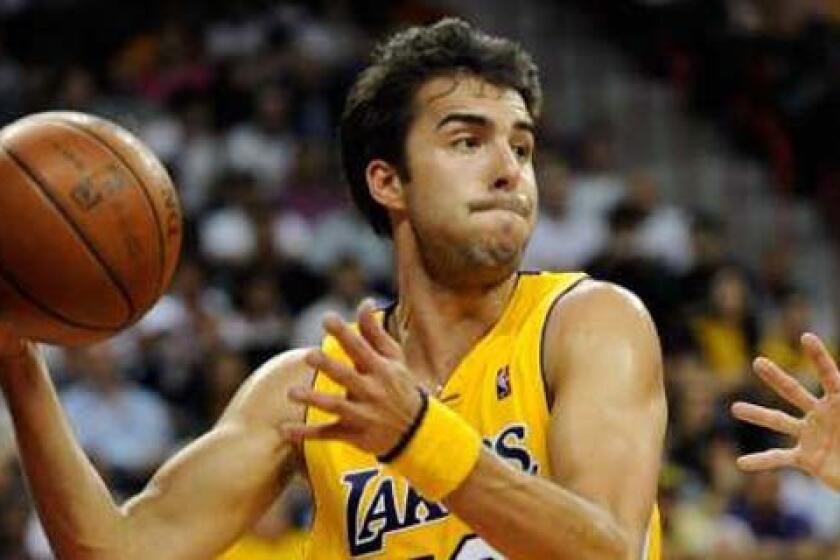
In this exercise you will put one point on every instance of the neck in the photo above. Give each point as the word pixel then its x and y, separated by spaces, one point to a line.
pixel 438 324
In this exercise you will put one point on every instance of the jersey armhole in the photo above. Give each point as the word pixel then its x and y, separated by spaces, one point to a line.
pixel 549 396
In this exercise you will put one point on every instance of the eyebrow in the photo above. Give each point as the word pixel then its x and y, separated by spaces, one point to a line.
pixel 481 120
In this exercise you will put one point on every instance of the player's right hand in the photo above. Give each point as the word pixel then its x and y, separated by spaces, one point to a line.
pixel 817 433
pixel 11 345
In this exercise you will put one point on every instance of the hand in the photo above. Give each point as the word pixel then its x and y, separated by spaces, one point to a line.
pixel 817 449
pixel 11 345
pixel 382 399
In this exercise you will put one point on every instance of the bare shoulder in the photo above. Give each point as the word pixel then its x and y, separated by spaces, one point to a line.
pixel 600 321
pixel 594 300
pixel 263 397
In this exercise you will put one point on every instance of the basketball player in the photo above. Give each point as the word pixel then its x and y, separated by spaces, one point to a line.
pixel 817 433
pixel 487 414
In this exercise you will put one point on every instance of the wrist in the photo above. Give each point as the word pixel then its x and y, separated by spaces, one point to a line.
pixel 439 453
pixel 18 368
pixel 16 351
pixel 409 433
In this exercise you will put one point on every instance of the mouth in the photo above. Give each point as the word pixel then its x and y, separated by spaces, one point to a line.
pixel 517 204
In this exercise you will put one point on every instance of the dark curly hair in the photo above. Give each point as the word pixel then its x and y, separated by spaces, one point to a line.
pixel 379 107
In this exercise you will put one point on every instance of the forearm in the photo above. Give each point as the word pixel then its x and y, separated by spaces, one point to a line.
pixel 75 507
pixel 524 516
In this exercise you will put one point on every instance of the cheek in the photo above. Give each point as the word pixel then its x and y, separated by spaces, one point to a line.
pixel 435 213
pixel 437 186
pixel 530 189
pixel 529 182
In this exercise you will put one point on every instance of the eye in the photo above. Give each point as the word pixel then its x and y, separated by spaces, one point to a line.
pixel 466 144
pixel 523 152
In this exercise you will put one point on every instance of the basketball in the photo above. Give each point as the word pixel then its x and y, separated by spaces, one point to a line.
pixel 90 228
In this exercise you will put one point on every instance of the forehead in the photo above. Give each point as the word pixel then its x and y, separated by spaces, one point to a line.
pixel 469 94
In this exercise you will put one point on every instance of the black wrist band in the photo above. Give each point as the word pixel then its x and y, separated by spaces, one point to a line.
pixel 409 433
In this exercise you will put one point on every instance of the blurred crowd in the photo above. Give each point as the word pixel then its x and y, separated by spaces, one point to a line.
pixel 240 100
pixel 766 71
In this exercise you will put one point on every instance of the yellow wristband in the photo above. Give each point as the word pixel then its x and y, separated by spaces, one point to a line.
pixel 430 461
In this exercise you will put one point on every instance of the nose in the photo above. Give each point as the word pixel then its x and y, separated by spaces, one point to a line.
pixel 509 169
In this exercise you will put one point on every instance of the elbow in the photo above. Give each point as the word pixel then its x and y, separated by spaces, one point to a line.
pixel 616 546
pixel 612 546
pixel 621 548
pixel 611 543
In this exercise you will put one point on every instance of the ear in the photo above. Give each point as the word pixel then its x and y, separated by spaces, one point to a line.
pixel 385 185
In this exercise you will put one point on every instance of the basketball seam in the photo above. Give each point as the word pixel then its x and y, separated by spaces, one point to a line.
pixel 44 188
pixel 10 279
pixel 143 189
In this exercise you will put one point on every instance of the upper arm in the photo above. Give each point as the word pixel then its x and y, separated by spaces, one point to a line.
pixel 216 487
pixel 604 369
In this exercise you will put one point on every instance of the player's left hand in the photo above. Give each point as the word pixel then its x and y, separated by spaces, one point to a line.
pixel 817 433
pixel 382 399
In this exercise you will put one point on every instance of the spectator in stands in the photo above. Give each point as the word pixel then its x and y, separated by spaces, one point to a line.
pixel 223 373
pixel 347 286
pixel 187 141
pixel 726 330
pixel 562 239
pixel 775 281
pixel 597 185
pixel 710 255
pixel 259 326
pixel 696 421
pixel 664 231
pixel 127 428
pixel 780 341
pixel 8 446
pixel 622 261
pixel 180 332
pixel 78 90
pixel 812 499
pixel 343 233
pixel 178 65
pixel 227 235
pixel 11 84
pixel 313 189
pixel 760 505
pixel 265 145
pixel 700 527
pixel 14 511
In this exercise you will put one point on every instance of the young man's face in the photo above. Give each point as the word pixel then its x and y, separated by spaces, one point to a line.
pixel 472 196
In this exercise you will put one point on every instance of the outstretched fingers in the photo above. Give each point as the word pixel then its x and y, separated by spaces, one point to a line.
pixel 327 402
pixel 374 332
pixel 770 459
pixel 821 358
pixel 767 418
pixel 357 348
pixel 784 385
pixel 333 430
pixel 338 371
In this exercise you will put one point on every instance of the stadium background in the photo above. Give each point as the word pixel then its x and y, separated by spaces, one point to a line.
pixel 688 151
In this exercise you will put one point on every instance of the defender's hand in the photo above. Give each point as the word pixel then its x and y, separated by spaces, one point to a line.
pixel 382 399
pixel 817 433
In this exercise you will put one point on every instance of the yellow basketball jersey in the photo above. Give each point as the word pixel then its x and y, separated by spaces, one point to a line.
pixel 364 509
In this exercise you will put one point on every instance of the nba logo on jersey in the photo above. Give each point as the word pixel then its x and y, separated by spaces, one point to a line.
pixel 503 382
